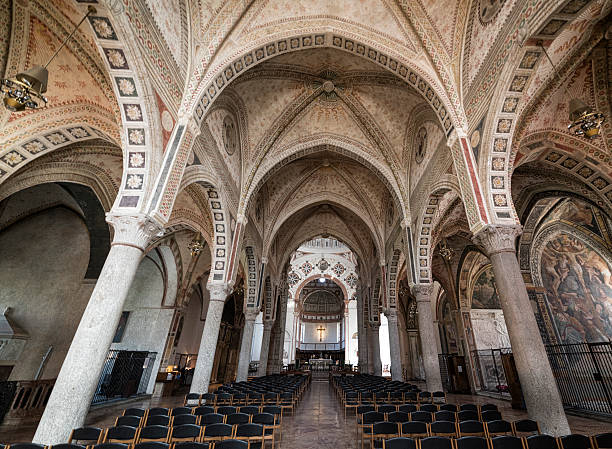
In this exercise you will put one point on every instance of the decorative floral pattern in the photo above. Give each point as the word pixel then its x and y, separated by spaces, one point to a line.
pixel 137 160
pixel 13 158
pixel 293 278
pixel 78 132
pixel 134 182
pixel 338 269
pixel 306 268
pixel 126 86
pixel 133 113
pixel 136 136
pixel 351 280
pixel 103 28
pixel 35 146
pixel 116 58
pixel 55 138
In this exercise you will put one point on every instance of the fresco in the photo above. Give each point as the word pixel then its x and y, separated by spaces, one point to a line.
pixel 484 293
pixel 579 289
pixel 576 212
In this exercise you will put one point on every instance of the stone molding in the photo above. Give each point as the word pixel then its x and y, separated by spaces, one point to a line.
pixel 250 316
pixel 422 292
pixel 494 239
pixel 135 230
pixel 218 292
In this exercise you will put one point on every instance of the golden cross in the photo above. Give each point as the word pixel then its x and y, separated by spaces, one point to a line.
pixel 321 329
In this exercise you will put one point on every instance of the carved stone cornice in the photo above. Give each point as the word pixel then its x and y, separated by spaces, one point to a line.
pixel 494 239
pixel 135 230
pixel 218 291
pixel 422 292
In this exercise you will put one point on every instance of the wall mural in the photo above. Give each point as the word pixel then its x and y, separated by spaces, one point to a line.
pixel 579 289
pixel 484 292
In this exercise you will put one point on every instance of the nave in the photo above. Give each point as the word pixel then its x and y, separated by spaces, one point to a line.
pixel 206 193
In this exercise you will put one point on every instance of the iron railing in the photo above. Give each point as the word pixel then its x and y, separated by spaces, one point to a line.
pixel 584 375
pixel 125 374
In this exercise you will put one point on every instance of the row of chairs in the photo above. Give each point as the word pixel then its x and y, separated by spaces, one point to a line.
pixel 202 414
pixel 239 399
pixel 184 433
pixel 575 441
pixel 396 397
pixel 487 412
pixel 224 444
pixel 428 417
pixel 416 429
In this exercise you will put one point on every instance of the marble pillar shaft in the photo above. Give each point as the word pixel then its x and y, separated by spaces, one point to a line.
pixel 537 381
pixel 427 333
pixel 208 343
pixel 375 344
pixel 245 349
pixel 394 346
pixel 265 349
pixel 78 378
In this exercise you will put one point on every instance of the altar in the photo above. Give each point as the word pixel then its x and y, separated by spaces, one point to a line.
pixel 321 364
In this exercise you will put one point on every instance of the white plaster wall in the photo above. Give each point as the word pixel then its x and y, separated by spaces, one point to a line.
pixel 287 349
pixel 311 335
pixel 257 337
pixel 385 351
pixel 193 324
pixel 489 329
pixel 148 324
pixel 43 260
pixel 353 343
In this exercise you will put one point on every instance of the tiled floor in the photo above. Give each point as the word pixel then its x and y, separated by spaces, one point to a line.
pixel 318 421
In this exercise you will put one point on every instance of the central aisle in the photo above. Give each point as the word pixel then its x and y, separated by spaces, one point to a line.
pixel 319 422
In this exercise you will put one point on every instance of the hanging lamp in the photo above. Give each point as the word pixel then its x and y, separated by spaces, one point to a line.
pixel 26 89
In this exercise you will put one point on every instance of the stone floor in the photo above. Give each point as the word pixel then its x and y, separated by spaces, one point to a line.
pixel 318 422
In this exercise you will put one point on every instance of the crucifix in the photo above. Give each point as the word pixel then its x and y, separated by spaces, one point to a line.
pixel 321 329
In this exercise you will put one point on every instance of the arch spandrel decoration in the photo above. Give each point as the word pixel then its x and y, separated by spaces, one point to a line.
pixel 206 94
pixel 137 110
pixel 393 273
pixel 251 283
pixel 510 110
pixel 374 303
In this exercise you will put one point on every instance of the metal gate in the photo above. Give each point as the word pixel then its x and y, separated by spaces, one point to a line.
pixel 490 370
pixel 584 375
pixel 125 374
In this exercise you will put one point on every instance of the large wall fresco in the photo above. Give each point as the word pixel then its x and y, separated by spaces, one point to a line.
pixel 579 289
pixel 484 292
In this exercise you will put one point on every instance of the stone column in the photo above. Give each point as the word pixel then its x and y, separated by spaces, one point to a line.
pixel 265 348
pixel 210 335
pixel 245 347
pixel 362 338
pixel 78 378
pixel 345 333
pixel 375 342
pixel 394 346
pixel 537 381
pixel 414 372
pixel 422 293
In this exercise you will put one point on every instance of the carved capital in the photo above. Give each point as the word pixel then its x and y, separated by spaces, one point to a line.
pixel 218 292
pixel 391 315
pixel 493 239
pixel 374 325
pixel 268 324
pixel 135 230
pixel 422 292
pixel 251 315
